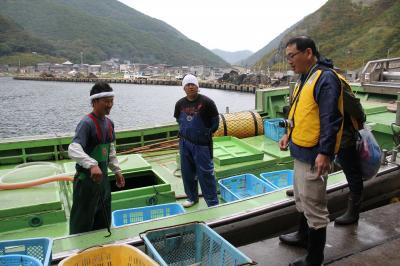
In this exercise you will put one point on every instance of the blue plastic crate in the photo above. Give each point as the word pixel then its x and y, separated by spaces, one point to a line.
pixel 191 244
pixel 19 260
pixel 272 130
pixel 39 248
pixel 243 186
pixel 279 179
pixel 135 215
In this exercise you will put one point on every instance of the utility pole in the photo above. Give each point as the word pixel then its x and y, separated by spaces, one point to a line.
pixel 81 58
pixel 283 64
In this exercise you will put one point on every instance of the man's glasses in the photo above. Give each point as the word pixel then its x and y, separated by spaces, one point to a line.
pixel 291 56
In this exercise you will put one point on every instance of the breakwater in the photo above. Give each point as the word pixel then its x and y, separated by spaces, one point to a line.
pixel 209 85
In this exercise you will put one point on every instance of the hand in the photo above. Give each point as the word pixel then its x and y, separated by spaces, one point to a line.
pixel 96 174
pixel 322 164
pixel 120 180
pixel 284 142
pixel 210 134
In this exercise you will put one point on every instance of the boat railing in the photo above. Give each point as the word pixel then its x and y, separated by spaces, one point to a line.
pixel 55 148
pixel 382 70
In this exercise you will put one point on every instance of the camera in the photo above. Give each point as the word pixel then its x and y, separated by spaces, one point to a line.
pixel 286 123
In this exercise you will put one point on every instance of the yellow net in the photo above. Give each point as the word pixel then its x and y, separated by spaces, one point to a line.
pixel 240 124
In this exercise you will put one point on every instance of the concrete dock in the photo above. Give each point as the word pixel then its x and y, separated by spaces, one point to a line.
pixel 375 240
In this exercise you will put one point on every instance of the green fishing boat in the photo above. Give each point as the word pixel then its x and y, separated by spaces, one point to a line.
pixel 150 164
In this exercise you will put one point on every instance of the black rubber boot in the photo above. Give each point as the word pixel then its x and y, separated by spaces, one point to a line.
pixel 353 210
pixel 289 192
pixel 298 238
pixel 315 249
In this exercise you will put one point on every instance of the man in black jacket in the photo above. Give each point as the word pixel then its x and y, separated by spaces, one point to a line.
pixel 348 155
pixel 198 119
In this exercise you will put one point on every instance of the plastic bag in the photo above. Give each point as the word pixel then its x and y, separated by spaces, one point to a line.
pixel 370 154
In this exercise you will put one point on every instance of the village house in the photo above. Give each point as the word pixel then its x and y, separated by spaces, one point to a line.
pixel 43 67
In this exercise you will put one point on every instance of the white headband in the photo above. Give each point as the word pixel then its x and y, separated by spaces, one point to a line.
pixel 102 95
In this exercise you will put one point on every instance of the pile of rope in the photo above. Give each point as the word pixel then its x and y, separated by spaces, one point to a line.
pixel 171 144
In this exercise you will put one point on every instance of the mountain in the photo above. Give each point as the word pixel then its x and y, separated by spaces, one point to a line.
pixel 351 32
pixel 232 57
pixel 18 47
pixel 103 29
pixel 274 44
pixel 12 36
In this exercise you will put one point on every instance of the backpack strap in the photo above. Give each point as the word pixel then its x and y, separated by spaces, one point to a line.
pixel 357 115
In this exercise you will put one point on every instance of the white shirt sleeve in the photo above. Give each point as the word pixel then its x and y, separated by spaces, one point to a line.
pixel 113 163
pixel 76 153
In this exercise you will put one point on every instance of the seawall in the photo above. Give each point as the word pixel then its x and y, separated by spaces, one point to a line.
pixel 210 85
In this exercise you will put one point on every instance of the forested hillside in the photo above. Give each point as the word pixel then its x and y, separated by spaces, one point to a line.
pixel 350 32
pixel 100 29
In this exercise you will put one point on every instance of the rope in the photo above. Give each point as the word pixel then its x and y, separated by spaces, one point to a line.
pixel 255 123
pixel 175 173
pixel 396 136
pixel 37 182
pixel 153 200
pixel 104 211
pixel 153 147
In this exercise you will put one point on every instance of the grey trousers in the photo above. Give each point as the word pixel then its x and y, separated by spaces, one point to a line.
pixel 310 195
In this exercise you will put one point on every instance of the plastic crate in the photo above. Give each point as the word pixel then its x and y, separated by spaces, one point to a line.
pixel 272 130
pixel 279 179
pixel 121 255
pixel 191 244
pixel 39 248
pixel 243 186
pixel 135 215
pixel 19 260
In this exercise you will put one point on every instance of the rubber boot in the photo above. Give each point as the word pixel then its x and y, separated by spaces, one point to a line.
pixel 289 192
pixel 353 210
pixel 298 238
pixel 315 249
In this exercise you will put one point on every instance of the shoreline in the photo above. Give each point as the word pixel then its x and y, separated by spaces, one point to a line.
pixel 209 85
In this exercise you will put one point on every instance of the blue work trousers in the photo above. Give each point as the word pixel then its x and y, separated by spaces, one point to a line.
pixel 196 161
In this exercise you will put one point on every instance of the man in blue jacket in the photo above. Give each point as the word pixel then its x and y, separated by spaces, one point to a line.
pixel 316 122
pixel 198 119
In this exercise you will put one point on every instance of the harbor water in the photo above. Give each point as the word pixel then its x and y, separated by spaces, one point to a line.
pixel 31 108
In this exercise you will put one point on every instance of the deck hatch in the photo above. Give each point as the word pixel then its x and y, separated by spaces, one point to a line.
pixel 231 150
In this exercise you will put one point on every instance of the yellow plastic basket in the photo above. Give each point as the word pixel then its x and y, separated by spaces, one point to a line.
pixel 119 255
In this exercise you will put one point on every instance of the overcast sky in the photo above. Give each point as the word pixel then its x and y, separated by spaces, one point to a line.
pixel 226 24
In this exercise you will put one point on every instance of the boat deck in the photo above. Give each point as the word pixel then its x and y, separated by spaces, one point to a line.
pixel 375 240
pixel 166 165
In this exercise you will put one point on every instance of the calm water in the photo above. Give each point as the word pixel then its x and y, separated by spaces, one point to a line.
pixel 36 108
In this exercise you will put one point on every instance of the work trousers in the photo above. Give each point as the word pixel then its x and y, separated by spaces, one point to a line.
pixel 350 162
pixel 196 161
pixel 310 194
pixel 87 213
